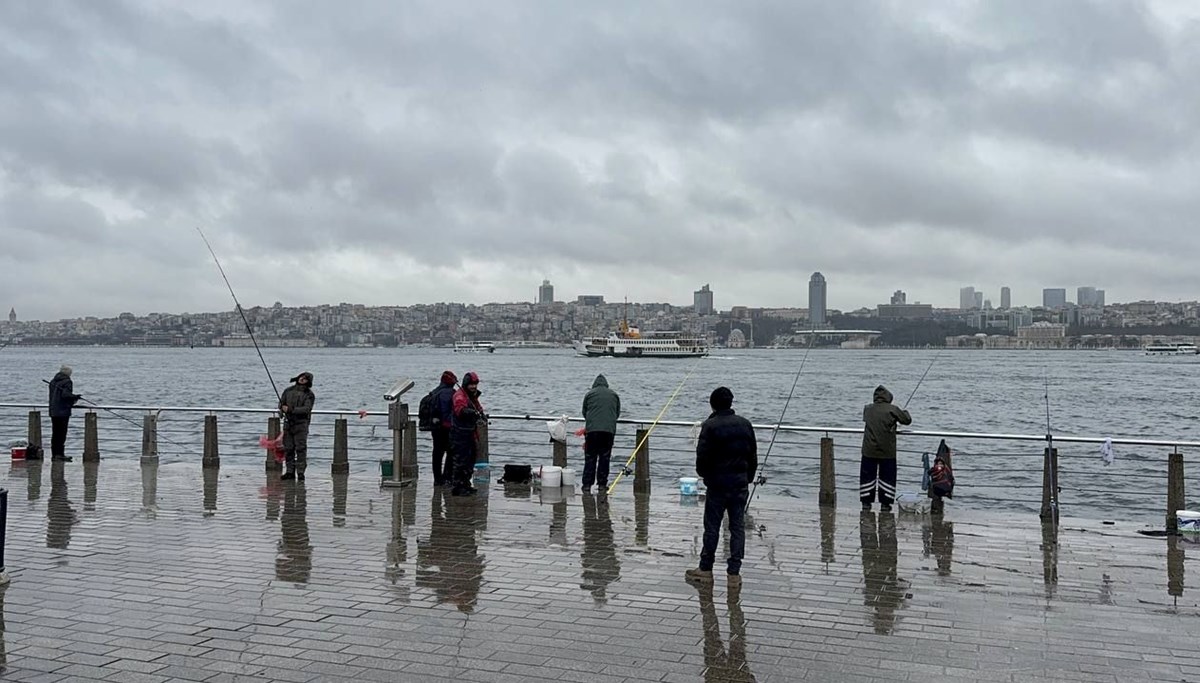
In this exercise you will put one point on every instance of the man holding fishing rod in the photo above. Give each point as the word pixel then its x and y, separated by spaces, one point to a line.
pixel 878 467
pixel 62 400
pixel 296 405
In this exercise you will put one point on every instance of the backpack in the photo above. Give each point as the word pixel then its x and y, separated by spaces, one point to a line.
pixel 427 418
pixel 941 479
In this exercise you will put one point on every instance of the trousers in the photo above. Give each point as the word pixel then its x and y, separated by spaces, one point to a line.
pixel 877 473
pixel 597 450
pixel 295 445
pixel 721 501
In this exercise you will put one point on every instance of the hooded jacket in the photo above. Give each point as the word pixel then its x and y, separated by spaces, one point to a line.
pixel 466 408
pixel 62 395
pixel 299 400
pixel 601 407
pixel 727 451
pixel 444 399
pixel 879 434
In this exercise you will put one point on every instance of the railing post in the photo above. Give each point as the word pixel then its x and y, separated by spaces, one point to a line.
pixel 558 453
pixel 1175 499
pixel 482 459
pixel 150 436
pixel 341 448
pixel 3 535
pixel 828 494
pixel 91 437
pixel 35 428
pixel 1050 486
pixel 272 434
pixel 641 462
pixel 212 455
pixel 408 465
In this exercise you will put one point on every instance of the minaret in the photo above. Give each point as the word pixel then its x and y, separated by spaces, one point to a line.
pixel 12 315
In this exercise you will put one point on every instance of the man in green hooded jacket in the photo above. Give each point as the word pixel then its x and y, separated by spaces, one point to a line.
pixel 878 466
pixel 601 410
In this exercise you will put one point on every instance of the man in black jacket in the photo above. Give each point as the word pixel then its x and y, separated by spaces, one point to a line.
pixel 444 406
pixel 296 404
pixel 62 400
pixel 726 458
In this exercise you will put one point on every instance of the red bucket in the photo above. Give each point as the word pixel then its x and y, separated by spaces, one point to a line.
pixel 18 453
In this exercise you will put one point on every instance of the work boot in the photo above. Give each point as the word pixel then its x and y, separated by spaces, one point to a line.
pixel 698 576
pixel 288 476
pixel 734 582
pixel 299 476
pixel 62 458
pixel 866 507
pixel 885 507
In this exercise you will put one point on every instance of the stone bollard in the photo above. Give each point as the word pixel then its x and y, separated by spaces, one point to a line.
pixel 272 434
pixel 483 457
pixel 91 437
pixel 641 462
pixel 559 453
pixel 212 454
pixel 35 428
pixel 341 448
pixel 828 494
pixel 398 422
pixel 1050 486
pixel 1175 499
pixel 150 437
pixel 409 471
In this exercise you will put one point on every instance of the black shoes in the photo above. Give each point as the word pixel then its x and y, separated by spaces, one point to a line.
pixel 884 507
pixel 62 458
pixel 300 476
pixel 866 507
pixel 287 476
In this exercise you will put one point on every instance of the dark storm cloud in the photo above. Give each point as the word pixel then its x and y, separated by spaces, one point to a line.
pixel 637 148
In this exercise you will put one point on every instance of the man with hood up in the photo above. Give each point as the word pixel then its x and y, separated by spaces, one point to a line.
pixel 878 470
pixel 444 410
pixel 62 400
pixel 296 405
pixel 601 410
pixel 464 439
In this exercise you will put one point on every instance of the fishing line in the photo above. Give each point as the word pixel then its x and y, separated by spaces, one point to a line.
pixel 625 470
pixel 775 432
pixel 914 391
pixel 122 417
pixel 240 312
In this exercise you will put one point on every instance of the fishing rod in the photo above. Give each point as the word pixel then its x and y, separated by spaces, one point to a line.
pixel 241 312
pixel 1050 457
pixel 626 469
pixel 122 417
pixel 914 391
pixel 775 432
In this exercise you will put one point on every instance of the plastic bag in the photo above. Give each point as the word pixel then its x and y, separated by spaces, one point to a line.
pixel 694 434
pixel 558 429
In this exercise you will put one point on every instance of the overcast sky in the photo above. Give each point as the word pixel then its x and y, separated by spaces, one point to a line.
pixel 399 153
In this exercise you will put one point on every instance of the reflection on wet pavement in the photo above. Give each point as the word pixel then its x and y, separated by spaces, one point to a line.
pixel 721 664
pixel 294 561
pixel 599 559
pixel 884 592
pixel 60 516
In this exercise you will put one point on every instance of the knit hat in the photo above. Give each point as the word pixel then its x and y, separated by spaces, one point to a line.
pixel 721 399
pixel 66 370
pixel 449 377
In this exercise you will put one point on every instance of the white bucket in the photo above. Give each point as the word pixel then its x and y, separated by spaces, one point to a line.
pixel 551 476
pixel 568 477
pixel 688 486
pixel 1188 520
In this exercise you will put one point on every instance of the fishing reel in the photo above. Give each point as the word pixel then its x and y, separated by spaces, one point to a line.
pixel 760 480
pixel 626 471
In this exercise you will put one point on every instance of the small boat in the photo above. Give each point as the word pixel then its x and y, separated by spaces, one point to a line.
pixel 475 347
pixel 1171 349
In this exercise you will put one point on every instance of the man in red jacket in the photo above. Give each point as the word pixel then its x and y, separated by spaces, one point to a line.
pixel 464 436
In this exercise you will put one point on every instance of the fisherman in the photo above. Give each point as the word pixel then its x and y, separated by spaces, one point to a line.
pixel 444 410
pixel 464 436
pixel 726 458
pixel 878 468
pixel 601 410
pixel 296 405
pixel 62 400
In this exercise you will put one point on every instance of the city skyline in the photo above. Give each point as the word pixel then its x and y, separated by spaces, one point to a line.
pixel 437 151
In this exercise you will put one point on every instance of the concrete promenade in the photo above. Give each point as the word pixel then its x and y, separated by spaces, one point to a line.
pixel 171 573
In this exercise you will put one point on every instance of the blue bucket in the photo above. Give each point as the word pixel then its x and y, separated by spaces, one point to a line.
pixel 688 486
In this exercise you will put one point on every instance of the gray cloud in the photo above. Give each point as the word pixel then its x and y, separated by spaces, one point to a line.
pixel 361 152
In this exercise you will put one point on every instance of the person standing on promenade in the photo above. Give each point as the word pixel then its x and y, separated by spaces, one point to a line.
pixel 464 437
pixel 726 458
pixel 443 401
pixel 296 404
pixel 878 468
pixel 601 410
pixel 62 400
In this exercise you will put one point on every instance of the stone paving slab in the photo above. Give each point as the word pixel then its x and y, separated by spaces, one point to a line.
pixel 124 572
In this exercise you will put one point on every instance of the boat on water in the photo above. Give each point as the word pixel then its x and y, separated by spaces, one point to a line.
pixel 1171 349
pixel 475 347
pixel 629 342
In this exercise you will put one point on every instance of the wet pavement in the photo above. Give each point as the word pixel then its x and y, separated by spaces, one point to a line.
pixel 168 573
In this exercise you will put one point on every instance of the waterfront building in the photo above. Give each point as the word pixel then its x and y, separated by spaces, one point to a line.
pixel 703 301
pixel 966 298
pixel 1054 298
pixel 1005 298
pixel 817 299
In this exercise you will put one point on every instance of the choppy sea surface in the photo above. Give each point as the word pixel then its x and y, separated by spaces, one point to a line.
pixel 1106 394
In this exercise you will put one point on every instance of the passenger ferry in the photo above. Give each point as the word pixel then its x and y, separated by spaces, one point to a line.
pixel 1171 350
pixel 629 342
pixel 475 347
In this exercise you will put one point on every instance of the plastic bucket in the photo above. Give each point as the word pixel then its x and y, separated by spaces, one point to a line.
pixel 688 486
pixel 385 469
pixel 18 453
pixel 1187 520
pixel 551 476
pixel 568 477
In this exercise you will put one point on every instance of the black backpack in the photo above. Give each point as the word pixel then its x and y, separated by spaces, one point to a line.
pixel 427 418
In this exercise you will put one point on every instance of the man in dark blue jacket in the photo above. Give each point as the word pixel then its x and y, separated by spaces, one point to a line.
pixel 444 409
pixel 62 400
pixel 726 458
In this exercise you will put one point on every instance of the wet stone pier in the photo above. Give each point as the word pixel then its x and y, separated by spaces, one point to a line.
pixel 123 572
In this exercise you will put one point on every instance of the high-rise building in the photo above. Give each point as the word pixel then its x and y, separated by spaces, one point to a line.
pixel 978 301
pixel 1085 297
pixel 546 293
pixel 966 298
pixel 703 300
pixel 1099 298
pixel 1054 298
pixel 899 297
pixel 816 299
pixel 1005 298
